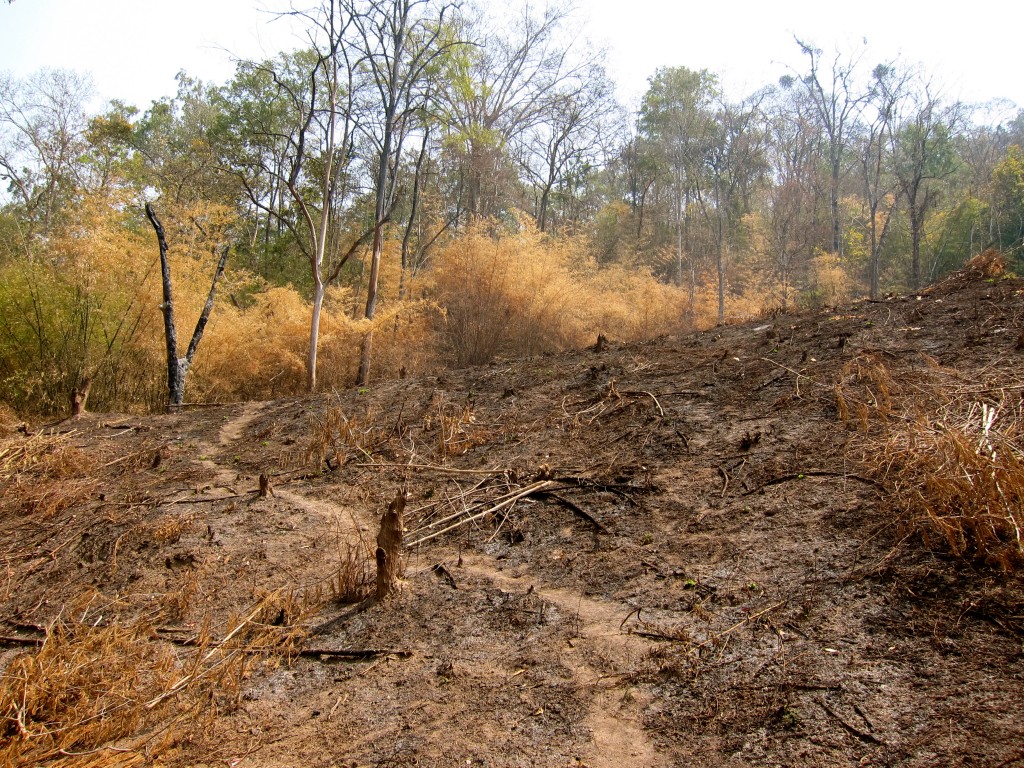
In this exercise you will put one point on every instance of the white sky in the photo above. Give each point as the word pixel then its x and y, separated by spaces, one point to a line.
pixel 134 48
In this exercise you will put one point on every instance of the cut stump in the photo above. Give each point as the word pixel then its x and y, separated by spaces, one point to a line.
pixel 389 548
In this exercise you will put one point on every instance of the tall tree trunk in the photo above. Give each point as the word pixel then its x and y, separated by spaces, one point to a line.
pixel 720 259
pixel 837 239
pixel 314 333
pixel 915 247
pixel 175 374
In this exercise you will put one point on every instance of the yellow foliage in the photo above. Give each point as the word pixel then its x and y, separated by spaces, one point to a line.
pixel 524 293
pixel 829 283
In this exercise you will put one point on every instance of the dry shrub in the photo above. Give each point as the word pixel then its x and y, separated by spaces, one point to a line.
pixel 632 306
pixel 951 450
pixel 987 264
pixel 255 353
pixel 504 295
pixel 85 687
pixel 353 580
pixel 828 283
pixel 9 420
pixel 336 435
pixel 455 428
pixel 404 340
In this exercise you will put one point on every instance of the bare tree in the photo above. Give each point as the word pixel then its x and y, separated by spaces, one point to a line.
pixel 42 138
pixel 309 147
pixel 834 94
pixel 734 163
pixel 793 149
pixel 398 42
pixel 566 143
pixel 875 164
pixel 924 156
pixel 499 89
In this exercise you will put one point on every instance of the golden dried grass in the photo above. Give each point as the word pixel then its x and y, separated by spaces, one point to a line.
pixel 523 293
pixel 950 449
pixel 44 474
pixel 353 580
pixel 109 692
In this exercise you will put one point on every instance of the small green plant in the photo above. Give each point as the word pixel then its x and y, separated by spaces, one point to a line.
pixel 789 718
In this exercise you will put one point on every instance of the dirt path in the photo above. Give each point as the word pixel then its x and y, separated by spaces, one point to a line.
pixel 233 429
pixel 597 658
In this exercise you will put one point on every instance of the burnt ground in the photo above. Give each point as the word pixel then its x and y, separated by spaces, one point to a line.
pixel 699 568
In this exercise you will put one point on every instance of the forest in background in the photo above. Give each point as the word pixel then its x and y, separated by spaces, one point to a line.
pixel 422 186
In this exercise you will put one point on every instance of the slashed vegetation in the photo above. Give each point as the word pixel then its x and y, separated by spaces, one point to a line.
pixel 668 552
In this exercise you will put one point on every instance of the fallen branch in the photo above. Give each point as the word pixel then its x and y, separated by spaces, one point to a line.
pixel 432 468
pixel 27 642
pixel 354 653
pixel 461 512
pixel 638 392
pixel 714 638
pixel 865 737
pixel 442 572
pixel 815 473
pixel 193 676
pixel 576 509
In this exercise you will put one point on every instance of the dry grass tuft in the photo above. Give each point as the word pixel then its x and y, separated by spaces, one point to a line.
pixel 85 687
pixel 353 580
pixel 335 436
pixel 950 449
pixel 988 263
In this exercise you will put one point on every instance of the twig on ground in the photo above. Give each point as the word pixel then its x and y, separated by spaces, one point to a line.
pixel 856 732
pixel 512 499
pixel 354 653
pixel 715 637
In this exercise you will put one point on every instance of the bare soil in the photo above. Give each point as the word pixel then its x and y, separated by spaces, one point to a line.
pixel 700 569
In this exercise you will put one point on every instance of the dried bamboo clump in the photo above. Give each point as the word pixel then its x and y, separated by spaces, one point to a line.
pixel 950 450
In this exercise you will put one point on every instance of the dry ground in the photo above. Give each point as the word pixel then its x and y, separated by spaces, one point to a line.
pixel 699 569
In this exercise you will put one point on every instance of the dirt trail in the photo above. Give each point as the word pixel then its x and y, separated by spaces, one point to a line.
pixel 233 429
pixel 597 657
pixel 341 519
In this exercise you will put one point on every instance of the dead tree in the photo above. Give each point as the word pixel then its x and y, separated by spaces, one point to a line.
pixel 177 367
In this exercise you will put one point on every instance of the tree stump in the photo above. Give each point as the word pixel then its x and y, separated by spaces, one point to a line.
pixel 79 397
pixel 389 548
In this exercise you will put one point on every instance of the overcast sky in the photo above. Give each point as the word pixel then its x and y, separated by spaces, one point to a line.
pixel 134 48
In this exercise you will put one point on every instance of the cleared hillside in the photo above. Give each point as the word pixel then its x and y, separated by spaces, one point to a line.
pixel 701 550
